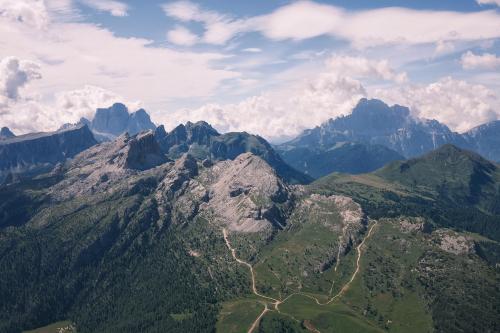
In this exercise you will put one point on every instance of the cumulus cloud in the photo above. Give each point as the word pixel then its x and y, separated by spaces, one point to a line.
pixel 14 74
pixel 284 116
pixel 32 115
pixel 457 103
pixel 71 60
pixel 364 68
pixel 78 103
pixel 115 8
pixel 470 60
pixel 181 36
pixel 30 12
pixel 362 28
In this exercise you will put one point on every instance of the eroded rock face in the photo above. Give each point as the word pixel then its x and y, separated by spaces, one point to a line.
pixel 452 242
pixel 246 194
pixel 100 167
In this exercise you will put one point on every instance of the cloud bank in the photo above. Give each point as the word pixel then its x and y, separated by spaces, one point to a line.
pixel 362 28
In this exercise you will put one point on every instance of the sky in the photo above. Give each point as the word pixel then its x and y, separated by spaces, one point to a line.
pixel 272 68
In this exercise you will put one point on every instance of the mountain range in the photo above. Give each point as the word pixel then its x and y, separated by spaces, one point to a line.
pixel 192 230
pixel 373 124
pixel 120 238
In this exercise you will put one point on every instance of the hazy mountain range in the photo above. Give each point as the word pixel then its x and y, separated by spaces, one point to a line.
pixel 373 135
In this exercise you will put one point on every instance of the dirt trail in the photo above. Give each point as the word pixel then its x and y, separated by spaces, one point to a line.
pixel 277 302
pixel 256 322
pixel 233 252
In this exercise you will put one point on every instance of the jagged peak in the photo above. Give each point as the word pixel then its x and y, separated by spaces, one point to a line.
pixel 6 133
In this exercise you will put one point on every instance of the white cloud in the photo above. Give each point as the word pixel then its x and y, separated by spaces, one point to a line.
pixel 83 102
pixel 73 55
pixel 363 28
pixel 360 67
pixel 115 8
pixel 252 50
pixel 219 28
pixel 33 115
pixel 14 74
pixel 280 116
pixel 488 2
pixel 444 47
pixel 181 36
pixel 30 12
pixel 456 103
pixel 470 60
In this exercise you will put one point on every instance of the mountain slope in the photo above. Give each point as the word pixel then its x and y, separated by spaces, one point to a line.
pixel 346 157
pixel 486 140
pixel 451 186
pixel 40 152
pixel 203 142
pixel 118 239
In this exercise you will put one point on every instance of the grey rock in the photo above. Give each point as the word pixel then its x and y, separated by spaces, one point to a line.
pixel 39 152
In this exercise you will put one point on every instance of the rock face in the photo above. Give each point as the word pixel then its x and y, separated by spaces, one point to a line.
pixel 203 142
pixel 6 133
pixel 40 152
pixel 109 123
pixel 246 194
pixel 104 165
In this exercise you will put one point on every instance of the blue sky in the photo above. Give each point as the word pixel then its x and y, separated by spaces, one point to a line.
pixel 269 67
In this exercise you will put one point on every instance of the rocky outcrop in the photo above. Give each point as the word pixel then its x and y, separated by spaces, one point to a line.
pixel 246 194
pixel 39 152
pixel 6 133
pixel 142 152
pixel 103 166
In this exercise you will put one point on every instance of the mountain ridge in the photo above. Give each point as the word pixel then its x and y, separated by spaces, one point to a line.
pixel 373 123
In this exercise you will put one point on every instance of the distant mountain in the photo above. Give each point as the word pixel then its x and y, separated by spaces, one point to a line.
pixel 485 139
pixel 109 123
pixel 203 142
pixel 372 122
pixel 6 133
pixel 38 152
pixel 346 157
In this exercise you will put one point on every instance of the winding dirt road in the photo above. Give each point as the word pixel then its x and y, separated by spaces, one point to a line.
pixel 277 302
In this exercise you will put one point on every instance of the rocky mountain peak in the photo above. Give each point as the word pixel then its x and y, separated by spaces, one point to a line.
pixel 143 152
pixel 6 133
pixel 247 195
